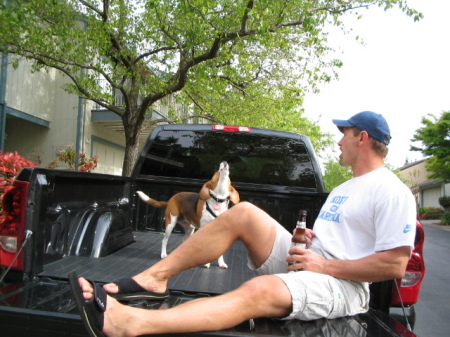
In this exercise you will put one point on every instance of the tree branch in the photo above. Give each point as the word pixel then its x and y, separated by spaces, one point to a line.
pixel 244 20
pixel 93 8
pixel 86 93
pixel 153 52
pixel 170 36
pixel 239 86
pixel 199 12
pixel 197 104
pixel 42 58
pixel 202 116
pixel 339 9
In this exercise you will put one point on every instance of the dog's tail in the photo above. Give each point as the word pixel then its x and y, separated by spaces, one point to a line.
pixel 150 201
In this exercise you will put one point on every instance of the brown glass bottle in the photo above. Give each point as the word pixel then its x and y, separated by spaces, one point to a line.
pixel 299 237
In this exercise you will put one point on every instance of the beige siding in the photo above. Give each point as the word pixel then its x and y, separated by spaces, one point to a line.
pixel 108 155
pixel 415 174
pixel 40 95
pixel 426 190
pixel 110 158
pixel 37 94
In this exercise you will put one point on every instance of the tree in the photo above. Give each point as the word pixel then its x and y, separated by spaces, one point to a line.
pixel 256 106
pixel 335 174
pixel 435 139
pixel 149 49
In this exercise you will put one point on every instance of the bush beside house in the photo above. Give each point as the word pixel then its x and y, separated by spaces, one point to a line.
pixel 445 203
pixel 430 213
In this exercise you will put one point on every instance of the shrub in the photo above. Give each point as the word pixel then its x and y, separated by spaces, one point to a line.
pixel 69 156
pixel 445 219
pixel 445 202
pixel 430 213
pixel 10 166
pixel 422 211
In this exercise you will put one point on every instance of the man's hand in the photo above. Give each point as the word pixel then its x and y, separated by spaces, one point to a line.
pixel 309 233
pixel 305 260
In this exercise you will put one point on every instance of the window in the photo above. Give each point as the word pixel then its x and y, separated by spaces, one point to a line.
pixel 253 158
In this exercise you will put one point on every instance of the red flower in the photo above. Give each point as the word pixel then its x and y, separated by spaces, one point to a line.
pixel 10 166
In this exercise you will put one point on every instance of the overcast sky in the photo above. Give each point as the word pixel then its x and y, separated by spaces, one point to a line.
pixel 402 72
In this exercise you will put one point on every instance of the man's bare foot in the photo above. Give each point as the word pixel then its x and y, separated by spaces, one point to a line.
pixel 118 318
pixel 148 283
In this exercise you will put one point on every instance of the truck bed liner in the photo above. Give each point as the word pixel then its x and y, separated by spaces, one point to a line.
pixel 144 252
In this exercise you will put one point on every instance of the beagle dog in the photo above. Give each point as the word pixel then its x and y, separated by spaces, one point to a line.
pixel 194 210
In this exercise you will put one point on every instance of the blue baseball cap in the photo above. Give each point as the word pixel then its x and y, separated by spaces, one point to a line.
pixel 374 124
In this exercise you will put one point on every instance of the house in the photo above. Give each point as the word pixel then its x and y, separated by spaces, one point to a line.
pixel 38 119
pixel 427 191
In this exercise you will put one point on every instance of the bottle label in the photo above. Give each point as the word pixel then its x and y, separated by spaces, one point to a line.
pixel 301 245
pixel 301 224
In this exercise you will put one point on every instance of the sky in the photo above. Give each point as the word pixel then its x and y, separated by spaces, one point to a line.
pixel 402 72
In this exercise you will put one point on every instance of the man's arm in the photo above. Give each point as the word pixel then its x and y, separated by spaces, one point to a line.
pixel 385 265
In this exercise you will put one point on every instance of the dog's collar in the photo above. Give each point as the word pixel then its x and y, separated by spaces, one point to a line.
pixel 210 210
pixel 217 199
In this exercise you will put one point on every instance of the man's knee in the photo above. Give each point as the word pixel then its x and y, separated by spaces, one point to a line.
pixel 268 294
pixel 239 214
pixel 244 206
pixel 245 212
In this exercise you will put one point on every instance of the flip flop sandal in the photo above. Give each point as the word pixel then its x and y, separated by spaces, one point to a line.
pixel 92 311
pixel 130 290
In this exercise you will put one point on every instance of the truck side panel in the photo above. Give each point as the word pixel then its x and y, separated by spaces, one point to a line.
pixel 74 213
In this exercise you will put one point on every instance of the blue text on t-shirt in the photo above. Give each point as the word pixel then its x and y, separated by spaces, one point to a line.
pixel 332 214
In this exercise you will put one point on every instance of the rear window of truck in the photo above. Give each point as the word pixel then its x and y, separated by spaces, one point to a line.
pixel 253 158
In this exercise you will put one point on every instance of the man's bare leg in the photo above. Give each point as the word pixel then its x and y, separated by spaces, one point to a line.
pixel 263 296
pixel 244 221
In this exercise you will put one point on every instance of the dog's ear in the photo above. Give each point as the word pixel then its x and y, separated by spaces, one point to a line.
pixel 234 195
pixel 204 192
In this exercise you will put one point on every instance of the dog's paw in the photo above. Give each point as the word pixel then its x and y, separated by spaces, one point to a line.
pixel 143 196
pixel 163 255
pixel 222 263
pixel 207 265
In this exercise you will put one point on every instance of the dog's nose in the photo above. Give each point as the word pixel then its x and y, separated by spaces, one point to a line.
pixel 223 165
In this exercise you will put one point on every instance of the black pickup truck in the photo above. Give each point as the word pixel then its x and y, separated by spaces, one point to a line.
pixel 57 222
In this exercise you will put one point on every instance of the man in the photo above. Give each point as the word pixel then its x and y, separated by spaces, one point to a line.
pixel 364 233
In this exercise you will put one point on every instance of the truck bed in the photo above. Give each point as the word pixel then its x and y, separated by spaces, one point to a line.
pixel 146 251
pixel 45 307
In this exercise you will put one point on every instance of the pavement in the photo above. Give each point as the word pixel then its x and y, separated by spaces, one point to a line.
pixel 435 223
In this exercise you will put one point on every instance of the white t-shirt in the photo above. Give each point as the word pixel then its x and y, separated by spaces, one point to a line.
pixel 367 214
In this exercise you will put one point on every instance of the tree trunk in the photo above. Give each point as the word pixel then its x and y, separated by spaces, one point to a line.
pixel 132 129
pixel 132 120
pixel 131 156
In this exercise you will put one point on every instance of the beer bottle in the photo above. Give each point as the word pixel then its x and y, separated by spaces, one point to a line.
pixel 299 237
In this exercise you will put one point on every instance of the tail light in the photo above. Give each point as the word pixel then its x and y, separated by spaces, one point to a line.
pixel 12 232
pixel 409 286
pixel 231 128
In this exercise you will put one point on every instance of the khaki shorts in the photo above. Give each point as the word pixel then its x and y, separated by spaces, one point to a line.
pixel 313 295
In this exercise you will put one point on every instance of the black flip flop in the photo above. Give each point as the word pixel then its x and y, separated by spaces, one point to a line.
pixel 130 290
pixel 92 311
